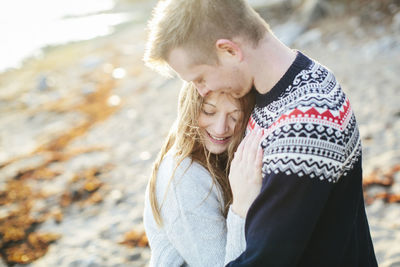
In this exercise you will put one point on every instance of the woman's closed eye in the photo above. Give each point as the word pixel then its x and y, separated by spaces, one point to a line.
pixel 233 118
pixel 208 113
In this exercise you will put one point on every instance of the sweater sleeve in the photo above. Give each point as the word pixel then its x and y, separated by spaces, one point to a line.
pixel 281 220
pixel 235 240
pixel 192 216
pixel 302 161
pixel 164 255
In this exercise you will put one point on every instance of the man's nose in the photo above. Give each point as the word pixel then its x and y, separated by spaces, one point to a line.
pixel 202 89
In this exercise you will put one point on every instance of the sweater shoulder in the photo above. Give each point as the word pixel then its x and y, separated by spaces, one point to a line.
pixel 186 185
pixel 184 173
pixel 311 128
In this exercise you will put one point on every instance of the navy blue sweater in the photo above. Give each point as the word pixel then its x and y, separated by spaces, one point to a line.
pixel 310 211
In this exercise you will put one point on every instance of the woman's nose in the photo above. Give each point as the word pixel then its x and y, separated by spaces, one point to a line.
pixel 221 126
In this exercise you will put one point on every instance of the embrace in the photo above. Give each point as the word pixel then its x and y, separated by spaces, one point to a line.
pixel 262 166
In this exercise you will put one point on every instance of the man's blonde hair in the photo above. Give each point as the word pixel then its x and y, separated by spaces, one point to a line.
pixel 196 25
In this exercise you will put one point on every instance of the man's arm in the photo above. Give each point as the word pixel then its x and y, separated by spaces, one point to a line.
pixel 300 168
pixel 281 220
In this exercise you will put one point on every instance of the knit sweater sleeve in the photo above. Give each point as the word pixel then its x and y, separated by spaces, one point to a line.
pixel 164 255
pixel 192 216
pixel 304 157
pixel 235 239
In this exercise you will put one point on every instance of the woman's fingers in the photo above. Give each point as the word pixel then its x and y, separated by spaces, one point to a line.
pixel 239 150
pixel 250 151
pixel 259 157
pixel 248 143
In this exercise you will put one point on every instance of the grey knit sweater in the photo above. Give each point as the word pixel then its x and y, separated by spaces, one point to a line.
pixel 194 231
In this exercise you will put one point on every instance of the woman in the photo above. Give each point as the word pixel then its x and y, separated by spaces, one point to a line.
pixel 188 215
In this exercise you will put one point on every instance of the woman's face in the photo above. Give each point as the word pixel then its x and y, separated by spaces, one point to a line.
pixel 218 118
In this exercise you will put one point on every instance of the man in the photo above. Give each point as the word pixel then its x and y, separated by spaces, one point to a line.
pixel 310 211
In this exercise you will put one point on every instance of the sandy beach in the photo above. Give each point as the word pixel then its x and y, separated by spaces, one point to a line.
pixel 81 124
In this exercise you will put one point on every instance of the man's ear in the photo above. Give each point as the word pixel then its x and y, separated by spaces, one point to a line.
pixel 229 48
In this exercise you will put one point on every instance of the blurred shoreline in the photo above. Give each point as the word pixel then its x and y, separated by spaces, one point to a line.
pixel 46 24
pixel 81 124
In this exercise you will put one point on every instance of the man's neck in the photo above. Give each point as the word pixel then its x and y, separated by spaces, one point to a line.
pixel 269 61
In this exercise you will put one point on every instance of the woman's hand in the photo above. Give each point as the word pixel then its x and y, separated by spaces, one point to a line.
pixel 245 174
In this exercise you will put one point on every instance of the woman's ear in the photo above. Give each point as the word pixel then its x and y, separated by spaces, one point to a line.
pixel 228 48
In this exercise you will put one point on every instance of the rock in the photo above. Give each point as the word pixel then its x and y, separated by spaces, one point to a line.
pixel 392 261
pixel 134 256
pixel 88 88
pixel 310 37
pixel 92 62
pixel 7 209
pixel 42 84
pixel 289 31
pixel 111 232
pixel 396 23
pixel 29 163
pixel 257 4
pixel 89 261
pixel 88 160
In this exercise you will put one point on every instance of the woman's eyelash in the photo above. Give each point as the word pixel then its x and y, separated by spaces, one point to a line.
pixel 207 113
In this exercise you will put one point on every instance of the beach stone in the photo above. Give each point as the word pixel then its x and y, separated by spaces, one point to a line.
pixel 134 256
pixel 88 262
pixel 88 160
pixel 257 4
pixel 91 62
pixel 375 210
pixel 392 217
pixel 309 37
pixel 88 88
pixel 391 261
pixel 110 232
pixel 288 32
pixel 28 163
pixel 396 177
pixel 42 83
pixel 117 264
pixel 7 209
pixel 396 22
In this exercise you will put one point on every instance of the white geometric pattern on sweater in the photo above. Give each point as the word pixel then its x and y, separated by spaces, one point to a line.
pixel 311 128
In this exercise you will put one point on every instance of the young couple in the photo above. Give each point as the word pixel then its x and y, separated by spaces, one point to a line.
pixel 297 199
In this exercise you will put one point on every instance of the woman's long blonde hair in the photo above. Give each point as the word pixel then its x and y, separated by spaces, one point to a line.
pixel 184 135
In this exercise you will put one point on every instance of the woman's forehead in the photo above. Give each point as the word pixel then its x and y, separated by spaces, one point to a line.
pixel 219 98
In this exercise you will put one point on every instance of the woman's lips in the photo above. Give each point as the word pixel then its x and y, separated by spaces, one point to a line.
pixel 218 140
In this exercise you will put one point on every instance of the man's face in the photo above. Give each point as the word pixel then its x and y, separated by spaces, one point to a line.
pixel 223 77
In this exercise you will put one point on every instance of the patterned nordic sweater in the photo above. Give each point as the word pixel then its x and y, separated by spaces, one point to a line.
pixel 310 211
